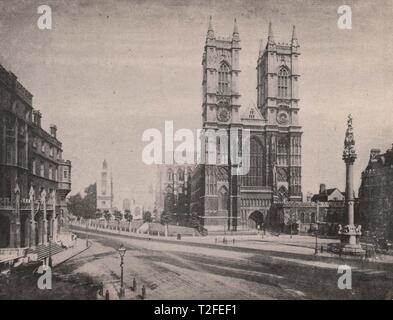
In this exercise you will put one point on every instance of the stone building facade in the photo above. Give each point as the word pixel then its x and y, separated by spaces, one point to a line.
pixel 376 195
pixel 35 179
pixel 234 201
pixel 173 190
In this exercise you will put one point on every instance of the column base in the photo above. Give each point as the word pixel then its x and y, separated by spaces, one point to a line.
pixel 350 241
pixel 352 250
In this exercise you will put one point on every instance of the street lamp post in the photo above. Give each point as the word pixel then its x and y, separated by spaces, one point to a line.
pixel 316 237
pixel 122 252
pixel 87 235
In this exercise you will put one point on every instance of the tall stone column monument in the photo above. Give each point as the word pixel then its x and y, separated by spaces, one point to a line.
pixel 350 233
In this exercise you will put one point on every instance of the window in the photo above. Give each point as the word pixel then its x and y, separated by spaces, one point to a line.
pixel 42 170
pixel 223 198
pixel 55 175
pixel 283 81
pixel 170 175
pixel 10 151
pixel 255 175
pixel 223 79
pixel 65 174
pixel 50 173
pixel 282 152
pixel 34 167
pixel 51 151
pixel 43 147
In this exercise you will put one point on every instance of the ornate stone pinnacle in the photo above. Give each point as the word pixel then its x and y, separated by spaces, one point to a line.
pixel 349 154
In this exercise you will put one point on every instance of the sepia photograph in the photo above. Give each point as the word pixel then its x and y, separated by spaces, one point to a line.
pixel 191 150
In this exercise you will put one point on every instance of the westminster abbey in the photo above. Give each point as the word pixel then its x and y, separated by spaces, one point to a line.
pixel 226 202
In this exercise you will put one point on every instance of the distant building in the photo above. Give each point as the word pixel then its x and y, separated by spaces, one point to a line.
pixel 376 195
pixel 325 195
pixel 32 170
pixel 173 190
pixel 325 209
pixel 105 189
pixel 137 211
pixel 126 205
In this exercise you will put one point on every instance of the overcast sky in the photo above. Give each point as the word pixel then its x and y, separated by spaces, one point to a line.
pixel 108 70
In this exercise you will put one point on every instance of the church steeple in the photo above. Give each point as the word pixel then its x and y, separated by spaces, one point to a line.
pixel 210 31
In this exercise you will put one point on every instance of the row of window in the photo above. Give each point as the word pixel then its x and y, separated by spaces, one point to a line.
pixel 38 168
pixel 47 149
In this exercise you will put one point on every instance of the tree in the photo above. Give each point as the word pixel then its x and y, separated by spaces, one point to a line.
pixel 128 215
pixel 147 216
pixel 75 205
pixel 84 206
pixel 118 215
pixel 165 218
pixel 107 215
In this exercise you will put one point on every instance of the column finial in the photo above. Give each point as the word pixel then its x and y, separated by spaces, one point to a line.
pixel 210 30
pixel 294 41
pixel 270 38
pixel 349 154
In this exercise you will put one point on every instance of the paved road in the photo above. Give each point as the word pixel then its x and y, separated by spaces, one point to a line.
pixel 175 271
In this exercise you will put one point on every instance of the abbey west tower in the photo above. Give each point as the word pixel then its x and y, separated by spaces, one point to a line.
pixel 278 102
pixel 275 135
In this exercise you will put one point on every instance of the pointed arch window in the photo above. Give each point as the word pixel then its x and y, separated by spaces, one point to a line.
pixel 283 82
pixel 282 152
pixel 223 198
pixel 223 79
pixel 254 177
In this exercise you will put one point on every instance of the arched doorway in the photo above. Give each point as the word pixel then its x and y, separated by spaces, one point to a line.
pixel 4 232
pixel 256 220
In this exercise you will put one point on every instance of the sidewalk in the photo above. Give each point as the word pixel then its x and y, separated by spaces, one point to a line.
pixel 79 247
pixel 298 250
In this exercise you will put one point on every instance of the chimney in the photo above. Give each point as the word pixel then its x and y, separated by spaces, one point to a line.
pixel 322 188
pixel 37 117
pixel 53 130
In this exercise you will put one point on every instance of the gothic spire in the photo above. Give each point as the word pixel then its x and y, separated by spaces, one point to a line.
pixel 235 35
pixel 260 48
pixel 294 42
pixel 270 38
pixel 210 31
pixel 235 28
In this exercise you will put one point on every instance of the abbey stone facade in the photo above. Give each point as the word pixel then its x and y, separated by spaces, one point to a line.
pixel 235 202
